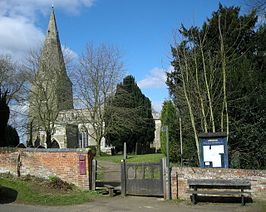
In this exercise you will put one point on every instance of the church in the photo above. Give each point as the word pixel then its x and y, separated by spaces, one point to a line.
pixel 51 110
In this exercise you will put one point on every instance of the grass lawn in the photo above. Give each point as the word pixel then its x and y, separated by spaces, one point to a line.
pixel 262 204
pixel 131 158
pixel 36 191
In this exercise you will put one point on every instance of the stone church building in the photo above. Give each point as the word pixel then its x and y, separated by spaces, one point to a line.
pixel 51 101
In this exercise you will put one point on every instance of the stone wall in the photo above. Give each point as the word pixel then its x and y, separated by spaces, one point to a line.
pixel 180 175
pixel 63 163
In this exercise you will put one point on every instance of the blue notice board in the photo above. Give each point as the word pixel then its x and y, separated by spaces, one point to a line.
pixel 213 150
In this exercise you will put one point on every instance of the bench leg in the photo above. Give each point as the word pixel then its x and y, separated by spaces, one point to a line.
pixel 242 200
pixel 194 199
pixel 111 192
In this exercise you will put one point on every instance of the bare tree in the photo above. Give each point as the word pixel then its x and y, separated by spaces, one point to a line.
pixel 11 81
pixel 100 70
pixel 11 78
pixel 202 84
pixel 47 94
pixel 42 110
pixel 258 5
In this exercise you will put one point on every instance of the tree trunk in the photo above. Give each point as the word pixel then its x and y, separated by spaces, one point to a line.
pixel 205 126
pixel 30 143
pixel 207 88
pixel 136 148
pixel 48 139
pixel 223 59
pixel 192 119
pixel 98 149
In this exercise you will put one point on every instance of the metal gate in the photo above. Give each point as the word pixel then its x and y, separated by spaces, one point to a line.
pixel 144 179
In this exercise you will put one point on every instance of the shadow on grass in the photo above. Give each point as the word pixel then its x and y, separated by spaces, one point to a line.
pixel 222 199
pixel 7 195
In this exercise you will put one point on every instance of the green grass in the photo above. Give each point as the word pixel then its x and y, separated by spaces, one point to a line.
pixel 132 158
pixel 35 192
pixel 262 204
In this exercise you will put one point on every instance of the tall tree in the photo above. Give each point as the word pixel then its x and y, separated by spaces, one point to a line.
pixel 129 117
pixel 11 78
pixel 247 106
pixel 99 72
pixel 4 114
pixel 46 94
pixel 44 85
pixel 170 117
pixel 11 81
pixel 215 70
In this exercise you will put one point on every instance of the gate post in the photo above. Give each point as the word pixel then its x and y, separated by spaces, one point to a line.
pixel 164 177
pixel 123 178
pixel 93 175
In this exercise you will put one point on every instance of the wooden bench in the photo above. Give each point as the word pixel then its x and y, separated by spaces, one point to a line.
pixel 219 188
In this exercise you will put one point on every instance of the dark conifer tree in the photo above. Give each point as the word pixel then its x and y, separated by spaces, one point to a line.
pixel 129 118
pixel 4 116
pixel 244 45
pixel 8 134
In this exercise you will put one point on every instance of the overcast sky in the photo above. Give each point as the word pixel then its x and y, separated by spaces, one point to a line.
pixel 142 29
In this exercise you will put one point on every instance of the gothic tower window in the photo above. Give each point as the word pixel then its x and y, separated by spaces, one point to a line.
pixel 55 144
pixel 83 137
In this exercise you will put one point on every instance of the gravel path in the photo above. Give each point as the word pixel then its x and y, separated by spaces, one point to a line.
pixel 131 204
pixel 112 171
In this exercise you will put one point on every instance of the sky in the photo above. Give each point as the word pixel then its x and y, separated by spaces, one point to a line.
pixel 143 30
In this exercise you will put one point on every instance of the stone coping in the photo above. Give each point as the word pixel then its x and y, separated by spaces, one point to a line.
pixel 78 150
pixel 196 170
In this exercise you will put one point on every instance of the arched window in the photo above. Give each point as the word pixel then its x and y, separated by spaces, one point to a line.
pixel 83 137
pixel 55 144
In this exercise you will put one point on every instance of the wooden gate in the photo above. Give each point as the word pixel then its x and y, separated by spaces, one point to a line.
pixel 144 179
pixel 106 174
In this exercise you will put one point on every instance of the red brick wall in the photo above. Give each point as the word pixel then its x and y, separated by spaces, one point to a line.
pixel 63 163
pixel 8 160
pixel 181 175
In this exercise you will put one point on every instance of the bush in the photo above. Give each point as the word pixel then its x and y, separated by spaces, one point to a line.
pixel 57 183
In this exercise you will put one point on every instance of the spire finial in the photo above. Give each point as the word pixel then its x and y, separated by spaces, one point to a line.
pixel 52 3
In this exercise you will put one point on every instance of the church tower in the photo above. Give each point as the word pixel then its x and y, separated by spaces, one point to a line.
pixel 51 89
pixel 53 66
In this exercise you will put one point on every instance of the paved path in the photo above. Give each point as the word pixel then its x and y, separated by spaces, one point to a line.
pixel 111 171
pixel 131 204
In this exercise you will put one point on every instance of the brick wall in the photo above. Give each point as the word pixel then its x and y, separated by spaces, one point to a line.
pixel 181 175
pixel 63 163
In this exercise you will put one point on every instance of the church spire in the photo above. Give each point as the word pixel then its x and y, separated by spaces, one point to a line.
pixel 52 32
pixel 53 67
pixel 52 47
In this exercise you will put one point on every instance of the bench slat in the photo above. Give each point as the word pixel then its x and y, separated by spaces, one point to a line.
pixel 211 182
pixel 220 188
pixel 220 192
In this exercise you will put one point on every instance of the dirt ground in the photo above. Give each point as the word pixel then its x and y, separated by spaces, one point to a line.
pixel 133 204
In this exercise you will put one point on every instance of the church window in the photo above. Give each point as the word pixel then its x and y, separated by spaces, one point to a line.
pixel 55 144
pixel 83 138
